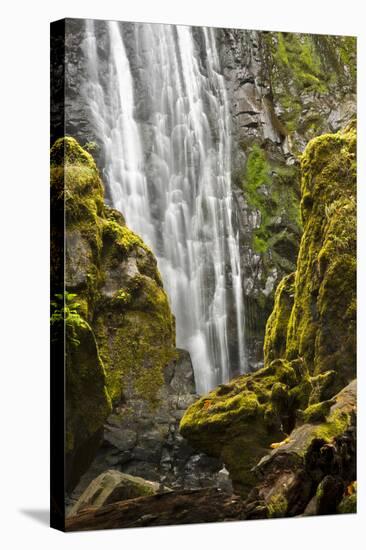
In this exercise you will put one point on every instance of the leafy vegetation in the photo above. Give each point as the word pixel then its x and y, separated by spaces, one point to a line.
pixel 66 312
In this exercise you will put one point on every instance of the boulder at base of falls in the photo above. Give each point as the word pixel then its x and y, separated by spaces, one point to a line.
pixel 112 486
pixel 310 343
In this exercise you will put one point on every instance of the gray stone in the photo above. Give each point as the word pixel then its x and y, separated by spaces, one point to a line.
pixel 123 440
pixel 113 486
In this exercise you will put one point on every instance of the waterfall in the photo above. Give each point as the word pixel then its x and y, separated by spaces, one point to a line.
pixel 159 108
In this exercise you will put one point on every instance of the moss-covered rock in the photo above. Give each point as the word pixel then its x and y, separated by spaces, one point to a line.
pixel 238 421
pixel 309 471
pixel 276 328
pixel 322 325
pixel 87 401
pixel 310 335
pixel 113 486
pixel 126 333
pixel 116 279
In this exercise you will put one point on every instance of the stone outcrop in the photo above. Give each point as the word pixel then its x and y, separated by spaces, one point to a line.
pixel 320 326
pixel 310 354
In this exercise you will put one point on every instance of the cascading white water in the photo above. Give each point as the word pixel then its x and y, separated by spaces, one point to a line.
pixel 160 109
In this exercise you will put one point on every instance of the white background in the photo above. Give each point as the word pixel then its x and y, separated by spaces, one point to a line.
pixel 24 355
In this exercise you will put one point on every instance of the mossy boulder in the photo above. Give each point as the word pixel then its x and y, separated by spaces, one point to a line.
pixel 322 324
pixel 309 472
pixel 238 421
pixel 86 399
pixel 115 277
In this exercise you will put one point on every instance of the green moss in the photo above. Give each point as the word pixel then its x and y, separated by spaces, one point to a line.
pixel 122 237
pixel 301 64
pixel 317 412
pixel 325 283
pixel 335 425
pixel 137 341
pixel 348 504
pixel 271 189
pixel 277 323
pixel 257 171
pixel 133 323
pixel 277 506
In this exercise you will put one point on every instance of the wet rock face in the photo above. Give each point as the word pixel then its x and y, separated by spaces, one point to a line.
pixel 143 441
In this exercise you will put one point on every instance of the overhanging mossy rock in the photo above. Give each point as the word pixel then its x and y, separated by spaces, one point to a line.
pixel 115 277
pixel 87 401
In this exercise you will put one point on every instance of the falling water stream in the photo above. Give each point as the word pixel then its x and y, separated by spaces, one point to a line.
pixel 159 107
